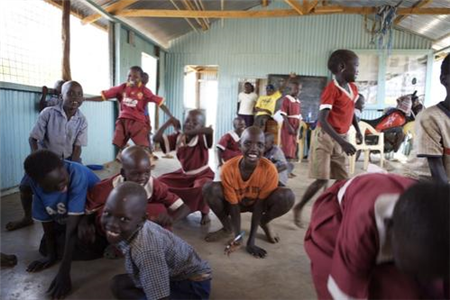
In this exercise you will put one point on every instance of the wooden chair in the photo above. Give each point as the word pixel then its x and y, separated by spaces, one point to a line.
pixel 303 129
pixel 366 129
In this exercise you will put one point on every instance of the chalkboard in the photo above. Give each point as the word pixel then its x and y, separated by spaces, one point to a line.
pixel 312 87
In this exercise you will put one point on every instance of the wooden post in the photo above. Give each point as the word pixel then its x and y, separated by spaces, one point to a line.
pixel 66 74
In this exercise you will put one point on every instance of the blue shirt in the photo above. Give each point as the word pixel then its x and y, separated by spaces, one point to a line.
pixel 56 206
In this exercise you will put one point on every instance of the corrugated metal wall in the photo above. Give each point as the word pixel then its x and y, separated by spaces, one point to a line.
pixel 258 47
pixel 18 114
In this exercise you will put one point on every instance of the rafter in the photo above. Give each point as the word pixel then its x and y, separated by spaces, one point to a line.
pixel 187 20
pixel 418 4
pixel 113 8
pixel 265 3
pixel 295 6
pixel 239 14
pixel 312 6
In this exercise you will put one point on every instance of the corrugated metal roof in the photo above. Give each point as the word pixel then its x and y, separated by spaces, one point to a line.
pixel 164 30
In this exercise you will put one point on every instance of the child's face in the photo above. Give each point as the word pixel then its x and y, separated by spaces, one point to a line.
pixel 193 121
pixel 55 181
pixel 269 143
pixel 252 146
pixel 121 217
pixel 248 88
pixel 239 126
pixel 294 89
pixel 134 77
pixel 137 171
pixel 72 96
pixel 350 70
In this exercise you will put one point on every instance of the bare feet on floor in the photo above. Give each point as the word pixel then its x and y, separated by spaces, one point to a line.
pixel 14 225
pixel 8 260
pixel 205 219
pixel 272 237
pixel 218 235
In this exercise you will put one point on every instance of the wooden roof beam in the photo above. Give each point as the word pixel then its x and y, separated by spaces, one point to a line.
pixel 312 6
pixel 113 8
pixel 187 20
pixel 418 4
pixel 265 3
pixel 278 13
pixel 295 6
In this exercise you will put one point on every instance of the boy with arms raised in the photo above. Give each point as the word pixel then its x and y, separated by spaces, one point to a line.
pixel 59 188
pixel 331 147
pixel 191 146
pixel 159 264
pixel 249 183
pixel 60 128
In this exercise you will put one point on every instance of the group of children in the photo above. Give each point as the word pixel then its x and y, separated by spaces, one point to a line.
pixel 372 236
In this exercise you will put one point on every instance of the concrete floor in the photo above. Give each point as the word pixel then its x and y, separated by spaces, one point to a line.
pixel 283 274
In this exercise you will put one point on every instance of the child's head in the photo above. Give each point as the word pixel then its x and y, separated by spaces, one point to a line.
pixel 195 119
pixel 239 125
pixel 72 96
pixel 294 88
pixel 136 165
pixel 270 89
pixel 360 103
pixel 445 72
pixel 252 145
pixel 344 65
pixel 124 212
pixel 47 170
pixel 420 231
pixel 145 78
pixel 135 75
pixel 270 139
pixel 57 87
pixel 248 88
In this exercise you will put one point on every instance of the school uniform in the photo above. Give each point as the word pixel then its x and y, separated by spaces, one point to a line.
pixel 328 160
pixel 262 182
pixel 348 245
pixel 229 144
pixel 133 122
pixel 163 265
pixel 160 200
pixel 188 181
pixel 246 106
pixel 291 108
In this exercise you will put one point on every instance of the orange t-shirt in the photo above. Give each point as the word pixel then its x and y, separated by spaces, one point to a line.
pixel 260 185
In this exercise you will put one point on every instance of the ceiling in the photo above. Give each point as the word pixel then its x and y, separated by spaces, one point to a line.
pixel 163 30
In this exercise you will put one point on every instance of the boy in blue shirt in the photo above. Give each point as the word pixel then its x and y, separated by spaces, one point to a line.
pixel 59 188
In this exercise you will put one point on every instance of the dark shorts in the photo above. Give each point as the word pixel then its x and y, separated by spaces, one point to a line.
pixel 188 289
pixel 127 129
pixel 249 119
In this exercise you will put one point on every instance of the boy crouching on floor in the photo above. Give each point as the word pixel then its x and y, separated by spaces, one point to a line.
pixel 159 264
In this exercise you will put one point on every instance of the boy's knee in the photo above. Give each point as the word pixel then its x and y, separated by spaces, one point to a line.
pixel 288 197
pixel 212 192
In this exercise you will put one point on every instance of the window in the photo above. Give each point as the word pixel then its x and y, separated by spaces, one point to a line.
pixel 367 80
pixel 31 47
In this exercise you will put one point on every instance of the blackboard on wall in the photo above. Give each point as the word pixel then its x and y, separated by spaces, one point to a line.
pixel 312 87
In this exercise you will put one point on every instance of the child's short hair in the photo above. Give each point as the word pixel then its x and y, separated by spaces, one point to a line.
pixel 137 69
pixel 251 85
pixel 445 67
pixel 338 57
pixel 421 219
pixel 198 112
pixel 38 164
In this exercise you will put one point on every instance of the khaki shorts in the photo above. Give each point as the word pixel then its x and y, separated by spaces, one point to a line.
pixel 327 160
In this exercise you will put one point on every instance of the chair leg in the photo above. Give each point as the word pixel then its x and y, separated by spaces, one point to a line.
pixel 352 163
pixel 366 159
pixel 381 159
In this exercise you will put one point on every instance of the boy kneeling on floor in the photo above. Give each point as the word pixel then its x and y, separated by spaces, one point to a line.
pixel 159 264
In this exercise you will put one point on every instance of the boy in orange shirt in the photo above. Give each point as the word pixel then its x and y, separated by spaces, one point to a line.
pixel 249 183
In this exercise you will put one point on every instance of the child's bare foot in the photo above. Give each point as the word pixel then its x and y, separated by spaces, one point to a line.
pixel 8 260
pixel 205 219
pixel 298 217
pixel 292 175
pixel 218 235
pixel 272 237
pixel 18 224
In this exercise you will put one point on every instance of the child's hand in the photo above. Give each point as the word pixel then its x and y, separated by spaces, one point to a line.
pixel 175 123
pixel 292 75
pixel 359 138
pixel 348 148
pixel 44 90
pixel 164 220
pixel 41 264
pixel 60 286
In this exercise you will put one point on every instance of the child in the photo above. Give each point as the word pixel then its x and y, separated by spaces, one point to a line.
pixel 330 146
pixel 136 168
pixel 249 184
pixel 291 113
pixel 433 135
pixel 59 188
pixel 192 151
pixel 228 146
pixel 276 156
pixel 159 264
pixel 133 97
pixel 378 236
pixel 61 129
pixel 43 102
pixel 246 104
